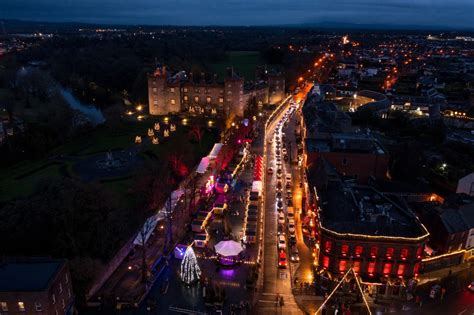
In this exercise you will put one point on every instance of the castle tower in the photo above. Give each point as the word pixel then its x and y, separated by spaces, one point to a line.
pixel 276 88
pixel 157 92
pixel 234 94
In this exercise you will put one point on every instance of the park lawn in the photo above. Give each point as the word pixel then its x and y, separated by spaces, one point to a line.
pixel 21 180
pixel 244 63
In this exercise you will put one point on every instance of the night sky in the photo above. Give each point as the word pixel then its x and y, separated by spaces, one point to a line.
pixel 433 13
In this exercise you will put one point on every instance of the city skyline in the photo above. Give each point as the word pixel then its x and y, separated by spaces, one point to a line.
pixel 367 13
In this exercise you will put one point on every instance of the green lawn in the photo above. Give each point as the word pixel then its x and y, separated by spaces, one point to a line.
pixel 244 62
pixel 21 179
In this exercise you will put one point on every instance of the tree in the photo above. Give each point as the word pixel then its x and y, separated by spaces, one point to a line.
pixel 197 133
pixel 190 271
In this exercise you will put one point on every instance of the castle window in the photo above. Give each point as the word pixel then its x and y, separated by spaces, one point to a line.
pixel 229 92
pixel 196 99
pixel 154 89
pixel 185 90
pixel 4 306
pixel 173 102
pixel 327 246
pixel 344 249
pixel 185 97
pixel 371 267
pixel 356 266
pixel 208 99
pixel 373 251
pixel 172 90
pixel 196 90
pixel 404 253
pixel 358 250
pixel 221 100
pixel 389 252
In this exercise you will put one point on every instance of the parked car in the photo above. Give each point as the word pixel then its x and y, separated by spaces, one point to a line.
pixel 270 171
pixel 281 242
pixel 294 255
pixel 282 260
pixel 291 226
pixel 470 287
pixel 281 218
pixel 292 239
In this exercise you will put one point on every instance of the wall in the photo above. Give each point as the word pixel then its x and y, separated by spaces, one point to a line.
pixel 466 185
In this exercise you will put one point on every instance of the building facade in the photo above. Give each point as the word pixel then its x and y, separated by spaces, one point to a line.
pixel 36 287
pixel 173 93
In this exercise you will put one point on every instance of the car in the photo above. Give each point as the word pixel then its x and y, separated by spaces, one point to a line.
pixel 288 185
pixel 292 239
pixel 284 151
pixel 281 242
pixel 290 216
pixel 277 152
pixel 270 141
pixel 285 158
pixel 288 177
pixel 279 185
pixel 279 173
pixel 279 196
pixel 281 218
pixel 282 260
pixel 270 171
pixel 280 204
pixel 291 226
pixel 281 229
pixel 294 255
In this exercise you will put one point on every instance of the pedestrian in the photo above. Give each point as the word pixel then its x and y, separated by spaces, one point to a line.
pixel 277 299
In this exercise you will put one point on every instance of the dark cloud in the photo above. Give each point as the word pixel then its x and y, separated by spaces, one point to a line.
pixel 454 13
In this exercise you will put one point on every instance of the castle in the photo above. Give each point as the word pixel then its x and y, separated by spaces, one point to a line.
pixel 173 93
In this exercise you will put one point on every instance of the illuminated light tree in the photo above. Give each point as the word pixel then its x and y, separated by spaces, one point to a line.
pixel 190 271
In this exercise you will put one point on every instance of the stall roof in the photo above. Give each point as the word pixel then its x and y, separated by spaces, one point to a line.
pixel 215 150
pixel 202 167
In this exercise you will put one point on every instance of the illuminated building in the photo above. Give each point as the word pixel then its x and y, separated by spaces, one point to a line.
pixel 361 228
pixel 182 91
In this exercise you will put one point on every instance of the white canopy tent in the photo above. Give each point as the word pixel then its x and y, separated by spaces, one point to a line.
pixel 150 224
pixel 228 248
pixel 202 167
pixel 257 186
pixel 215 150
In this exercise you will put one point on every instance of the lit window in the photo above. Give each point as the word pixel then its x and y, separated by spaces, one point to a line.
pixel 358 250
pixel 4 306
pixel 387 268
pixel 173 102
pixel 404 253
pixel 196 99
pixel 185 90
pixel 356 266
pixel 154 89
pixel 185 97
pixel 38 307
pixel 344 249
pixel 371 267
pixel 21 306
pixel 373 251
pixel 419 251
pixel 389 252
pixel 208 99
pixel 401 269
pixel 221 100
pixel 229 92
pixel 326 262
pixel 342 265
pixel 416 269
pixel 327 246
pixel 172 90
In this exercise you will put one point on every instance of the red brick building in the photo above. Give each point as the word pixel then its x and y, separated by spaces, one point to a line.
pixel 36 286
pixel 361 228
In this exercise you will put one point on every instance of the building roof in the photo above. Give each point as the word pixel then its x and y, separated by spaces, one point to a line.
pixel 29 275
pixel 355 209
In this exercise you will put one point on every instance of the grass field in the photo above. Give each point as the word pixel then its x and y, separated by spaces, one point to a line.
pixel 244 62
pixel 21 179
